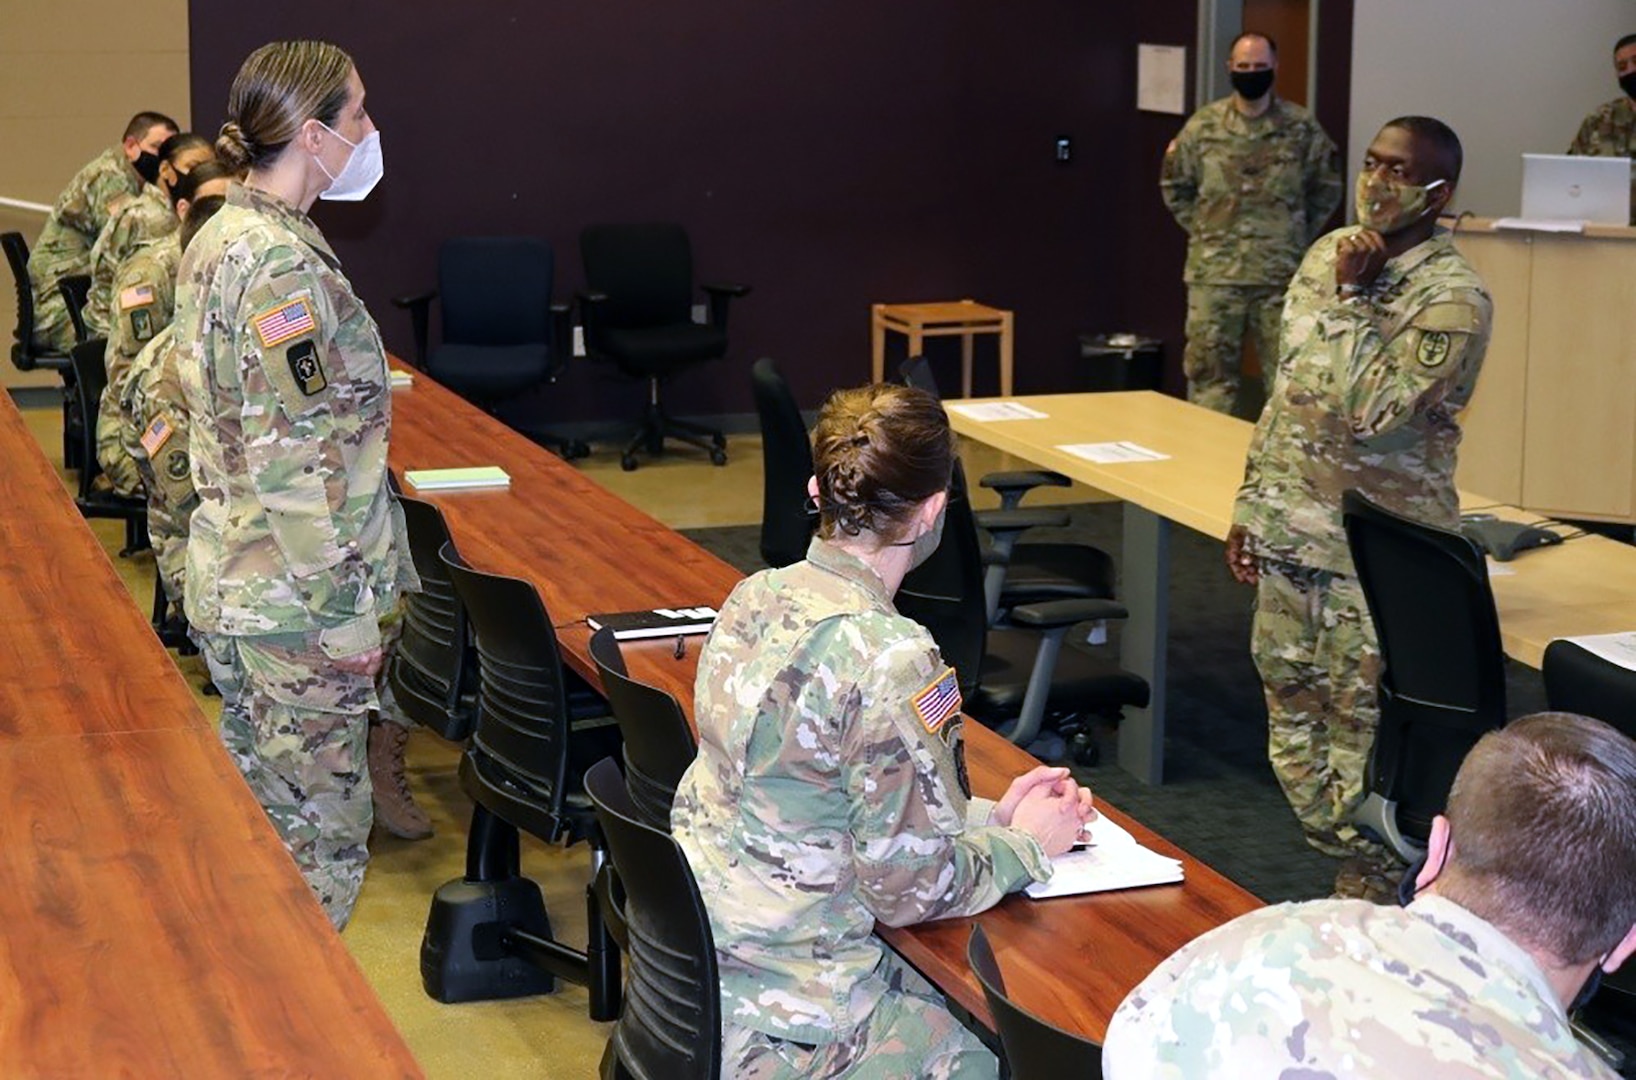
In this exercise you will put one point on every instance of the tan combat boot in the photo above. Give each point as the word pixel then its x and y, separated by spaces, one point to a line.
pixel 395 809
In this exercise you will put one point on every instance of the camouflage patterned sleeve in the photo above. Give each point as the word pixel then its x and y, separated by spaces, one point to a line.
pixel 137 312
pixel 1325 182
pixel 1585 138
pixel 293 460
pixel 1179 177
pixel 913 855
pixel 1395 372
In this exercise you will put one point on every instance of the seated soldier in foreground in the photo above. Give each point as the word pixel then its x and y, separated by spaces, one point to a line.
pixel 1527 894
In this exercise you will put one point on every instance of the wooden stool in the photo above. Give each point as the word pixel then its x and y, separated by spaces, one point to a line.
pixel 965 318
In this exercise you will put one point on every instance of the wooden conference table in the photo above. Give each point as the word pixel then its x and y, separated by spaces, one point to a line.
pixel 1585 586
pixel 1071 960
pixel 154 924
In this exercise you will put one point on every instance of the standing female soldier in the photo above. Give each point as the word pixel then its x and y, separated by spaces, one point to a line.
pixel 293 555
pixel 827 794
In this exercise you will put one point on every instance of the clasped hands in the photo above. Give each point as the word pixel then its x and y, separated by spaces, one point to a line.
pixel 1049 805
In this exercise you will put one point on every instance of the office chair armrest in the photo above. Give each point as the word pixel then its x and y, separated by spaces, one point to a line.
pixel 562 340
pixel 1001 522
pixel 1012 486
pixel 590 317
pixel 1052 613
pixel 719 295
pixel 419 307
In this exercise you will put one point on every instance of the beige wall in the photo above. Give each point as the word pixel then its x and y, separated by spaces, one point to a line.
pixel 71 75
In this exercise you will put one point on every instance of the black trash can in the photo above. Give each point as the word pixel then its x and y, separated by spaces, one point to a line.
pixel 1121 361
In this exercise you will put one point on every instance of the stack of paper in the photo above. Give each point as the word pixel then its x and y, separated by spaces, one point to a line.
pixel 402 378
pixel 1113 453
pixel 1111 859
pixel 998 410
pixel 478 476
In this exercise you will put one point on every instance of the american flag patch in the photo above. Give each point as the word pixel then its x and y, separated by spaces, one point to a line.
pixel 135 296
pixel 288 320
pixel 156 435
pixel 938 701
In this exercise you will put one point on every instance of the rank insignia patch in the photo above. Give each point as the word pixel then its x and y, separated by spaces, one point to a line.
pixel 938 701
pixel 305 366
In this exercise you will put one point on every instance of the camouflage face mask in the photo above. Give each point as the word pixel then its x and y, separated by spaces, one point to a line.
pixel 1387 206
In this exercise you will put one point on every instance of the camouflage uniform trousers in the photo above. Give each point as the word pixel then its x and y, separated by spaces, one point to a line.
pixel 297 729
pixel 1315 648
pixel 910 1033
pixel 117 464
pixel 1217 318
pixel 53 329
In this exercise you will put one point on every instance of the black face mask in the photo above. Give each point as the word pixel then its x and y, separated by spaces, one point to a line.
pixel 1251 85
pixel 147 166
pixel 1627 83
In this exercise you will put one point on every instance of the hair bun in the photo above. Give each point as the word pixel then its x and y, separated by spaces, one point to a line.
pixel 232 148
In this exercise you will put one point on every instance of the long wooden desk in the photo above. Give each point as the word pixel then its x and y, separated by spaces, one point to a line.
pixel 154 924
pixel 1071 960
pixel 1586 586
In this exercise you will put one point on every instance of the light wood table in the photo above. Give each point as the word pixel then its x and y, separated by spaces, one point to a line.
pixel 1073 959
pixel 1586 586
pixel 964 319
pixel 154 923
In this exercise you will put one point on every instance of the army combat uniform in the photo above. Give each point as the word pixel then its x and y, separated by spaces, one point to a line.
pixel 1366 399
pixel 293 554
pixel 144 301
pixel 64 246
pixel 1345 988
pixel 1610 131
pixel 154 431
pixel 828 793
pixel 147 217
pixel 1251 194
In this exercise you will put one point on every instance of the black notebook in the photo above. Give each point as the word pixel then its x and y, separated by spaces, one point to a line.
pixel 659 622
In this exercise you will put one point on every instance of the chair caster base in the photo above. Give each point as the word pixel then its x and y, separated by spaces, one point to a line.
pixel 718 456
pixel 1084 749
pixel 461 955
pixel 627 462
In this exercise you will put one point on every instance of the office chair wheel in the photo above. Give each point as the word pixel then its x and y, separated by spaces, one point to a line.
pixel 719 440
pixel 718 456
pixel 577 448
pixel 1083 748
pixel 627 462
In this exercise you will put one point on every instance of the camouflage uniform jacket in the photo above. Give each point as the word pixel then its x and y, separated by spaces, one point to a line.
pixel 78 218
pixel 144 297
pixel 1365 397
pixel 285 381
pixel 154 432
pixel 1610 131
pixel 1251 192
pixel 1344 988
pixel 138 221
pixel 828 793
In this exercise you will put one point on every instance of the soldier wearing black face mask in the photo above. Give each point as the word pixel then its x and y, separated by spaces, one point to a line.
pixel 80 214
pixel 1252 179
pixel 1610 131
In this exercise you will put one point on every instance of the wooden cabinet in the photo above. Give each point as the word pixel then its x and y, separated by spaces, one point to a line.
pixel 1552 426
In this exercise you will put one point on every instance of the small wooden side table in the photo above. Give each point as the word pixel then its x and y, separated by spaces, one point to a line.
pixel 963 318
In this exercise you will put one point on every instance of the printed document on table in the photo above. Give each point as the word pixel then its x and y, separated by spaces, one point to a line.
pixel 1614 648
pixel 997 410
pixel 1556 225
pixel 1113 860
pixel 1112 453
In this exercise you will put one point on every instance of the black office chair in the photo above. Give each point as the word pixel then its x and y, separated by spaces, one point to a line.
pixel 434 668
pixel 90 377
pixel 26 357
pixel 75 288
pixel 1034 1049
pixel 1443 682
pixel 670 1027
pixel 502 334
pixel 787 517
pixel 637 313
pixel 1015 678
pixel 659 743
pixel 1022 571
pixel 537 730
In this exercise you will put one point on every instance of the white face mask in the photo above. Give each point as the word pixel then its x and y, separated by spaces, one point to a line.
pixel 360 174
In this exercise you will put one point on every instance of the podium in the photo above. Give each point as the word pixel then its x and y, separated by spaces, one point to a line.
pixel 1552 425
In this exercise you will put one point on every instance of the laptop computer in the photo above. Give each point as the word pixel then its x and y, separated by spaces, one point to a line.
pixel 1562 187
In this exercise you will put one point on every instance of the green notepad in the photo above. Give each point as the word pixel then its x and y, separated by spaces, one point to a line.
pixel 477 476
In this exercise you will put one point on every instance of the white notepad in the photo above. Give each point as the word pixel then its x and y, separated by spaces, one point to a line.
pixel 997 410
pixel 1113 861
pixel 478 476
pixel 401 378
pixel 1113 453
pixel 1614 648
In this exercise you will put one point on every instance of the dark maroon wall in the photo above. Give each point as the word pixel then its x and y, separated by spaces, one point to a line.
pixel 830 155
